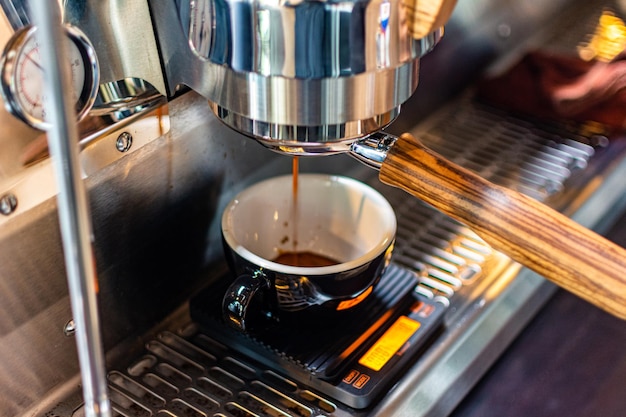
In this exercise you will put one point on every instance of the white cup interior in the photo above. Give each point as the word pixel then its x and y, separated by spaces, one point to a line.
pixel 336 217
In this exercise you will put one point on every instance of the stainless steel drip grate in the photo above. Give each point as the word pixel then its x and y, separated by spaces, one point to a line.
pixel 197 376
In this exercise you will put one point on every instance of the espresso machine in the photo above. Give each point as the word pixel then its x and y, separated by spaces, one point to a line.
pixel 165 97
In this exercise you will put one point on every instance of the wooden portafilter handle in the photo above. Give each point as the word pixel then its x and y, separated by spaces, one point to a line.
pixel 526 230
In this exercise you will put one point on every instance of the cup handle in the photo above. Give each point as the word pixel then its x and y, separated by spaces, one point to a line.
pixel 239 295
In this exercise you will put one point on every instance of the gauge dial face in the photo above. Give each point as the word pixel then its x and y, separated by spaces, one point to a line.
pixel 23 76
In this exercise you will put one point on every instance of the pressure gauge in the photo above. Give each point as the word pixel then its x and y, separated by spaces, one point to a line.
pixel 23 75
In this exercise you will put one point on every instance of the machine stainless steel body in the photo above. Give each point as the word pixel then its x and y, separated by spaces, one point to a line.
pixel 160 170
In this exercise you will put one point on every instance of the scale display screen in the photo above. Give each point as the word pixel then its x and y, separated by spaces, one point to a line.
pixel 389 343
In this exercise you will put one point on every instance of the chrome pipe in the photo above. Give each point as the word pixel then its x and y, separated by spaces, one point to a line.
pixel 74 216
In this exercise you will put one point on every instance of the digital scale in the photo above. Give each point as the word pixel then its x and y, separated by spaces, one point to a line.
pixel 354 357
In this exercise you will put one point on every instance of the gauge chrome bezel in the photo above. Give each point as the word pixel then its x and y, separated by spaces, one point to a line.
pixel 8 65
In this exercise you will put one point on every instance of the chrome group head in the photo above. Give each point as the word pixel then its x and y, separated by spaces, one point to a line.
pixel 302 77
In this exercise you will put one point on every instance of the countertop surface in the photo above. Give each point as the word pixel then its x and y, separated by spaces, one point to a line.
pixel 569 361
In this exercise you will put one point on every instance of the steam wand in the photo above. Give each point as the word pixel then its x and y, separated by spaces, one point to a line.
pixel 74 216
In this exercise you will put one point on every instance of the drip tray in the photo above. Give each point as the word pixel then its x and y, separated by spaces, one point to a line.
pixel 353 357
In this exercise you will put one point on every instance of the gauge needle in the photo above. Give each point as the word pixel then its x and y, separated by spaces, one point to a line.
pixel 31 59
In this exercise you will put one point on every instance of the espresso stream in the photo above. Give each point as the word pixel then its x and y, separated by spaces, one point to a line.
pixel 295 257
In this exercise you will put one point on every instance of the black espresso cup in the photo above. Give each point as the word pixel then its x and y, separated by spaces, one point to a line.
pixel 338 232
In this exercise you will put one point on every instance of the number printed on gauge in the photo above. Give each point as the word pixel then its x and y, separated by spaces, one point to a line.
pixel 23 75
